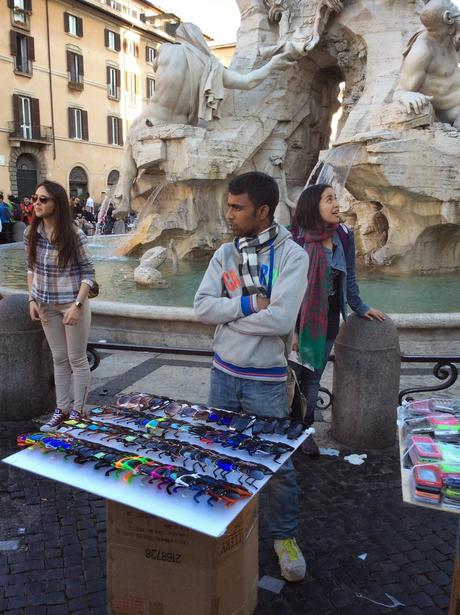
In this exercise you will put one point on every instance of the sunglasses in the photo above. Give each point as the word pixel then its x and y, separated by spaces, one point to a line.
pixel 42 198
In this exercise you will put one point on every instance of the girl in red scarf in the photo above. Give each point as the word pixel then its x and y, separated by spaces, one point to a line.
pixel 331 284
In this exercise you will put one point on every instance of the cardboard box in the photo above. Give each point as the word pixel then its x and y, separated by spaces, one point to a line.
pixel 155 567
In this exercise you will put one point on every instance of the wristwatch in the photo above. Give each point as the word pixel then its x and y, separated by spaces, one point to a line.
pixel 78 304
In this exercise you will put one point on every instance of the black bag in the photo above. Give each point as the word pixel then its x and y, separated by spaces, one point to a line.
pixel 298 402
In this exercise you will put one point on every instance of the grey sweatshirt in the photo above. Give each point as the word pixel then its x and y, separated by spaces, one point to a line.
pixel 248 342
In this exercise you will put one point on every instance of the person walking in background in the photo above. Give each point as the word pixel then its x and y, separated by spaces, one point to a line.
pixel 89 204
pixel 330 286
pixel 60 275
pixel 252 291
pixel 6 220
pixel 28 210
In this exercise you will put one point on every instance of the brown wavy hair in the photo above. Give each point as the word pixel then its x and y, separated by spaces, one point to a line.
pixel 65 236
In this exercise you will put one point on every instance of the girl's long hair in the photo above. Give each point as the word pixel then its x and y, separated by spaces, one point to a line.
pixel 65 236
pixel 306 215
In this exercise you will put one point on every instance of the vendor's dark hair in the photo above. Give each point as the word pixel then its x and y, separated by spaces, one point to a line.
pixel 65 235
pixel 260 188
pixel 306 215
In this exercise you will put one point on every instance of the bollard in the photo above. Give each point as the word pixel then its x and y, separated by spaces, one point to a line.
pixel 366 383
pixel 18 231
pixel 26 381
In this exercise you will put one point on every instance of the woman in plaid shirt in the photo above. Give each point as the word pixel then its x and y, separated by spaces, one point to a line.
pixel 60 275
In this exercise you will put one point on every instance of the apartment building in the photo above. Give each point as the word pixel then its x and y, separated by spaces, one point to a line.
pixel 75 73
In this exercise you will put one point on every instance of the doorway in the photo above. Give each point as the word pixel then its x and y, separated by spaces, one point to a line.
pixel 26 175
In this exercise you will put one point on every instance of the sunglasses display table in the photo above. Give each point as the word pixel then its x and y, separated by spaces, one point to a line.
pixel 170 553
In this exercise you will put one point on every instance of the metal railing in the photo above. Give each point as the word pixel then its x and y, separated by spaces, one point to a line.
pixel 23 65
pixel 40 134
pixel 76 81
pixel 444 369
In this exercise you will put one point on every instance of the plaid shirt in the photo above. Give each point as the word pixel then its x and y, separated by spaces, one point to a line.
pixel 51 284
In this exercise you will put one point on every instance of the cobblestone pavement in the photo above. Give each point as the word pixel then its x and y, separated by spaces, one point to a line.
pixel 58 565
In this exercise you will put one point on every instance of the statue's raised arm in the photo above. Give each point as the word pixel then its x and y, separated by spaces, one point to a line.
pixel 190 87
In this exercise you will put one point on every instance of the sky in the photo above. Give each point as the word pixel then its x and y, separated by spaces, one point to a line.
pixel 217 18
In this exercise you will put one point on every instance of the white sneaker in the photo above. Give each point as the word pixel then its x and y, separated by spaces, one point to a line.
pixel 291 560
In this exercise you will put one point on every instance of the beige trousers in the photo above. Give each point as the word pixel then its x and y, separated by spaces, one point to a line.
pixel 68 348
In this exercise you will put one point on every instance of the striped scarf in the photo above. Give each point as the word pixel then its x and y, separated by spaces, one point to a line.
pixel 248 269
pixel 312 321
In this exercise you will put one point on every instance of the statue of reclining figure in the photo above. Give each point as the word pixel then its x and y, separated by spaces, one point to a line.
pixel 190 87
pixel 430 72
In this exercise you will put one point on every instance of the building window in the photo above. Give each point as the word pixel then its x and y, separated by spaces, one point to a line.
pixel 23 52
pixel 113 82
pixel 150 54
pixel 78 124
pixel 78 182
pixel 115 130
pixel 75 70
pixel 26 113
pixel 150 89
pixel 131 47
pixel 21 9
pixel 73 24
pixel 112 40
pixel 131 87
pixel 112 179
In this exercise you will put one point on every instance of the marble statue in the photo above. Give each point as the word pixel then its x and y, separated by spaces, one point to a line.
pixel 396 158
pixel 189 88
pixel 430 72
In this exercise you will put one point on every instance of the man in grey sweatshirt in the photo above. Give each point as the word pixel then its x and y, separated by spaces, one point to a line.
pixel 252 291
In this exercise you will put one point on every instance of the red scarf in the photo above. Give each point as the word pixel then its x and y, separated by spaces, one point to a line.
pixel 312 321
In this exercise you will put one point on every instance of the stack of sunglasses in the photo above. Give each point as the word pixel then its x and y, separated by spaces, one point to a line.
pixel 237 421
pixel 431 431
pixel 176 445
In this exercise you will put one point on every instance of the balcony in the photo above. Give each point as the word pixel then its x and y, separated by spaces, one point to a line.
pixel 113 92
pixel 18 132
pixel 20 18
pixel 23 66
pixel 76 81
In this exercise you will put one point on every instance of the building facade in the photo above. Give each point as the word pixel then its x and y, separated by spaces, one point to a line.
pixel 75 74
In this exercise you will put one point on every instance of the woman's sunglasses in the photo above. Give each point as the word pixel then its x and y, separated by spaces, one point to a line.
pixel 42 198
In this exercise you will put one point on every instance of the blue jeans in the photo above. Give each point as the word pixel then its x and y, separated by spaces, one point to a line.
pixel 263 399
pixel 310 382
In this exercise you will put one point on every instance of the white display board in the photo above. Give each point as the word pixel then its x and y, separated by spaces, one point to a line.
pixel 178 508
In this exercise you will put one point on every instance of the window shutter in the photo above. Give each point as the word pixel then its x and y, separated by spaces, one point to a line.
pixel 79 26
pixel 136 84
pixel 66 22
pixel 109 130
pixel 117 42
pixel 126 81
pixel 10 4
pixel 84 124
pixel 80 65
pixel 35 109
pixel 118 77
pixel 71 118
pixel 28 5
pixel 69 61
pixel 16 112
pixel 13 43
pixel 106 37
pixel 146 53
pixel 30 48
pixel 120 130
pixel 107 74
pixel 136 50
